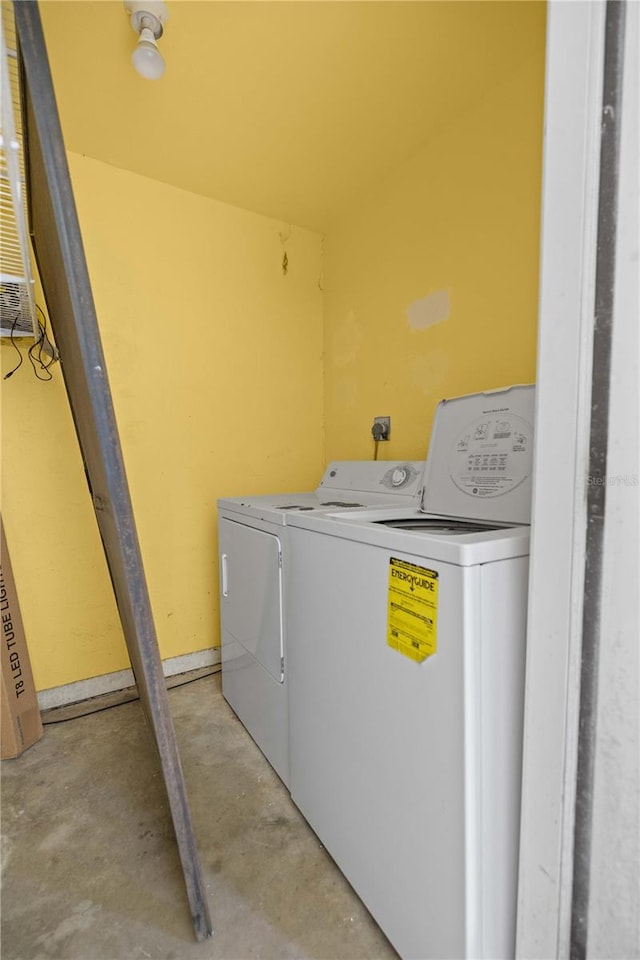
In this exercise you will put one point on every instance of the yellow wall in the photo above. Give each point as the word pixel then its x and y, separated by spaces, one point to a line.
pixel 215 363
pixel 461 216
pixel 216 359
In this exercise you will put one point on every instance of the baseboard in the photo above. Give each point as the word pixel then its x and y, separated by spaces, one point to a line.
pixel 109 682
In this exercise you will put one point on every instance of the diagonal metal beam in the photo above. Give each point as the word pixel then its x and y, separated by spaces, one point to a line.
pixel 65 280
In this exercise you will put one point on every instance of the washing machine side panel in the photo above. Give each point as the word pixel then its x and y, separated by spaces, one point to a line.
pixel 252 678
pixel 503 595
pixel 259 701
pixel 377 741
pixel 251 592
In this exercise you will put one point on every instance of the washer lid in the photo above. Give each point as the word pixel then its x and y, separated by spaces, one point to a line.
pixel 481 457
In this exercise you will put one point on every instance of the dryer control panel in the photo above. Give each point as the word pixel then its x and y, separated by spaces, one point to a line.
pixel 379 477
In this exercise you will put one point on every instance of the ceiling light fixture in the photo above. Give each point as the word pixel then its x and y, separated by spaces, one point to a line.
pixel 148 18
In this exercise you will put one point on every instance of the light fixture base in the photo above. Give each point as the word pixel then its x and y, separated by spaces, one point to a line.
pixel 147 13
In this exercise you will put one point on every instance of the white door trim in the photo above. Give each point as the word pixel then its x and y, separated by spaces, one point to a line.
pixel 575 57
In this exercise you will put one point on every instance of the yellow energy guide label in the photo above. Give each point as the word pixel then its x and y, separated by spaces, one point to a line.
pixel 412 609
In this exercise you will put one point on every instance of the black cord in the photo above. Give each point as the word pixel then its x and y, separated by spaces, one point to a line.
pixel 36 360
pixel 43 327
pixel 38 345
pixel 15 347
pixel 130 699
pixel 89 713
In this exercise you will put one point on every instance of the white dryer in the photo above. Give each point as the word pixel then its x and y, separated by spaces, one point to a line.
pixel 407 651
pixel 253 554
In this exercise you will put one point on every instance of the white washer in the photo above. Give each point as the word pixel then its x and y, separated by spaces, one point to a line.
pixel 252 537
pixel 408 771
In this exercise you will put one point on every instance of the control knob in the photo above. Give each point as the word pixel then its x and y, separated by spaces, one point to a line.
pixel 399 476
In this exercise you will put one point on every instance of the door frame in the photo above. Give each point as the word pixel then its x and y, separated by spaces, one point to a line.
pixel 571 173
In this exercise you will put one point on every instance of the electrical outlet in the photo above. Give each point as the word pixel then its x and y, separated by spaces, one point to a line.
pixel 381 429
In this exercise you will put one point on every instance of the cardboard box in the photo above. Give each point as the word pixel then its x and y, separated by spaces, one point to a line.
pixel 21 723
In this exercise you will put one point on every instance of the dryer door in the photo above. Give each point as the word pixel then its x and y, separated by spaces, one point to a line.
pixel 251 592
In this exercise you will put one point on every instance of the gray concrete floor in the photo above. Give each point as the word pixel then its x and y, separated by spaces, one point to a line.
pixel 90 868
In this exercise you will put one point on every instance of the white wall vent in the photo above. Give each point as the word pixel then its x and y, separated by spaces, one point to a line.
pixel 17 300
